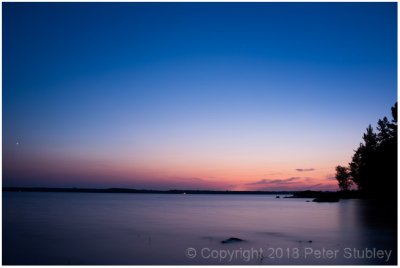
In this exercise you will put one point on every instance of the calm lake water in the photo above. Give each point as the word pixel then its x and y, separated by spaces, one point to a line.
pixel 94 228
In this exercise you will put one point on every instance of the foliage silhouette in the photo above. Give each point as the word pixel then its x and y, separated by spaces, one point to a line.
pixel 374 164
pixel 343 178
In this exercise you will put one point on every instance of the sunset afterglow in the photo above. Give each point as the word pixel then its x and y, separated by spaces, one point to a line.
pixel 192 96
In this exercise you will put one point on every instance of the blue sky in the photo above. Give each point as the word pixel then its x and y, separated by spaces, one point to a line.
pixel 153 94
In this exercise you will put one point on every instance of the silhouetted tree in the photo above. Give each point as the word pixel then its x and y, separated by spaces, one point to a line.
pixel 343 178
pixel 374 164
pixel 383 128
pixel 362 166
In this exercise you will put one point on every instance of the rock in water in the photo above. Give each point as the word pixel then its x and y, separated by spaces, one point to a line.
pixel 232 240
pixel 326 199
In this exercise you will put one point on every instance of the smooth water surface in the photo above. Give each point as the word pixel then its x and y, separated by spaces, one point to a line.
pixel 105 228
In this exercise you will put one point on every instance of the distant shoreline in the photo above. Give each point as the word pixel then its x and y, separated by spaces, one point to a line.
pixel 285 194
pixel 141 191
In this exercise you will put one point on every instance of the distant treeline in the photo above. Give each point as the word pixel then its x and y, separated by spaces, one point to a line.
pixel 138 191
pixel 373 168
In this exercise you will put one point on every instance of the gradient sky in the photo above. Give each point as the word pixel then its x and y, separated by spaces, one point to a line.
pixel 237 96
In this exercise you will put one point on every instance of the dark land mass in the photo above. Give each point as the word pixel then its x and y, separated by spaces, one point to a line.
pixel 354 194
pixel 138 191
pixel 321 195
pixel 328 195
pixel 287 194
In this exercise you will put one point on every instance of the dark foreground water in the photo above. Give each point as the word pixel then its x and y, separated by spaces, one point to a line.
pixel 91 228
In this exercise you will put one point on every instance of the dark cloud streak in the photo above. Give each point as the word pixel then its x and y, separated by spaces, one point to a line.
pixel 304 169
pixel 266 182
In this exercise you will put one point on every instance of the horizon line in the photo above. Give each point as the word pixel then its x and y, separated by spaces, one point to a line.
pixel 132 190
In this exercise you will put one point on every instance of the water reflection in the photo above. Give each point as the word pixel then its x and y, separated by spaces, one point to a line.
pixel 79 228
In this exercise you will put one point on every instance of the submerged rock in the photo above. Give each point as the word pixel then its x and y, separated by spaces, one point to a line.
pixel 326 199
pixel 232 240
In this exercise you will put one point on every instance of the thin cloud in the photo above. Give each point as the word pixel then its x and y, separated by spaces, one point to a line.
pixel 304 169
pixel 330 177
pixel 286 181
pixel 266 182
pixel 263 181
pixel 315 185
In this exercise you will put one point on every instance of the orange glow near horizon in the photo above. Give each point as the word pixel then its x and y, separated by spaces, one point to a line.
pixel 227 174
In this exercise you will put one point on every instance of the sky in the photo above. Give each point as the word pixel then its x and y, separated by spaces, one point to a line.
pixel 212 96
